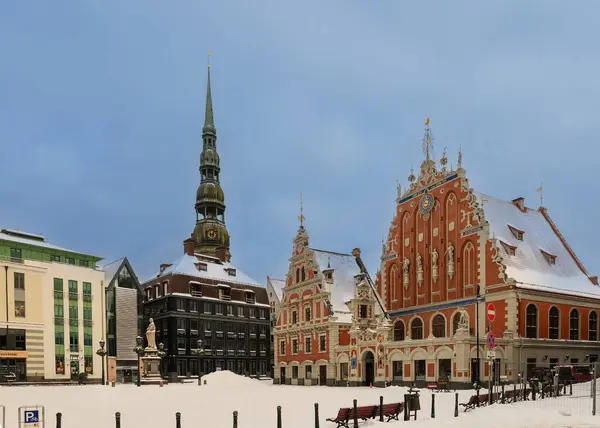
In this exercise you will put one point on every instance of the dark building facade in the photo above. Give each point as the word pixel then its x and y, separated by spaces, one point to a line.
pixel 202 296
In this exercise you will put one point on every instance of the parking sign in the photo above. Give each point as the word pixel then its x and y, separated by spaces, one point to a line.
pixel 31 417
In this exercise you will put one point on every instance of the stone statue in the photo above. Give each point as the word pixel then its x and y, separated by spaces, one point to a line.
pixel 462 321
pixel 419 269
pixel 434 257
pixel 405 275
pixel 151 335
pixel 450 252
pixel 434 265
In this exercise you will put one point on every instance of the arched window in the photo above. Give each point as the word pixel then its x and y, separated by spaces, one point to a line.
pixel 439 326
pixel 298 275
pixel 416 329
pixel 303 274
pixel 307 313
pixel 593 326
pixel 553 323
pixel 531 322
pixel 455 322
pixel 574 325
pixel 468 264
pixel 392 286
pixel 399 331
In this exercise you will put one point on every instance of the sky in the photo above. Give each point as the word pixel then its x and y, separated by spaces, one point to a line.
pixel 102 108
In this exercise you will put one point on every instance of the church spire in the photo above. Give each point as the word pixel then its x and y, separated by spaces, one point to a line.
pixel 210 234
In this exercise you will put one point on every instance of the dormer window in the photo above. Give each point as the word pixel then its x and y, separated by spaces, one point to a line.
pixel 328 274
pixel 519 203
pixel 518 234
pixel 230 271
pixel 203 267
pixel 364 311
pixel 511 250
pixel 550 258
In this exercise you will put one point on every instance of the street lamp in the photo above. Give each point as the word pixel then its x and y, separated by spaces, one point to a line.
pixel 199 352
pixel 102 353
pixel 139 350
pixel 161 354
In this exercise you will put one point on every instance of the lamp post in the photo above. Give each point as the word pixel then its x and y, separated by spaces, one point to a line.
pixel 102 353
pixel 139 350
pixel 161 354
pixel 477 333
pixel 199 352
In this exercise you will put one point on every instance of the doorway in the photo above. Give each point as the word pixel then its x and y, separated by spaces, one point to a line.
pixel 369 368
pixel 282 375
pixel 322 375
pixel 474 370
pixel 74 370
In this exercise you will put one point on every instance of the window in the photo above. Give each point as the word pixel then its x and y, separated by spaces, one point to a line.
pixel 87 313
pixel 16 255
pixel 416 329
pixel 593 326
pixel 531 363
pixel 59 362
pixel 193 306
pixel 218 309
pixel 364 312
pixel 518 234
pixel 87 339
pixel 294 372
pixel 307 342
pixel 282 347
pixel 308 372
pixel 510 249
pixel 303 274
pixel 531 322
pixel 72 289
pixel 439 326
pixel 59 338
pixel 399 330
pixel 19 281
pixel 397 370
pixel 74 340
pixel 298 275
pixel 574 325
pixel 59 310
pixel 262 314
pixel 550 258
pixel 307 313
pixel 69 260
pixel 343 371
pixel 252 312
pixel 84 263
pixel 19 308
pixel 294 346
pixel 181 305
pixel 87 288
pixel 294 317
pixel 553 323
pixel 54 258
pixel 229 310
pixel 181 367
pixel 240 311
pixel 181 324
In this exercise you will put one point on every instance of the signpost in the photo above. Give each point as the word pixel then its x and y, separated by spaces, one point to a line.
pixel 491 312
pixel 491 340
pixel 31 417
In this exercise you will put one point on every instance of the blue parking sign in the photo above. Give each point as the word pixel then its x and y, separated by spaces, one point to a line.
pixel 31 416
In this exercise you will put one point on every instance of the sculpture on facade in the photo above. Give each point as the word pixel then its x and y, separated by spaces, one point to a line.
pixel 450 253
pixel 434 265
pixel 419 270
pixel 405 273
pixel 463 323
pixel 151 335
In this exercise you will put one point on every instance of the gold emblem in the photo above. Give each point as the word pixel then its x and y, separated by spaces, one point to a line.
pixel 211 234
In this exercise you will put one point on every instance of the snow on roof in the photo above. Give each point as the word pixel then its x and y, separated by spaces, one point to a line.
pixel 278 285
pixel 111 269
pixel 34 241
pixel 342 290
pixel 529 266
pixel 186 265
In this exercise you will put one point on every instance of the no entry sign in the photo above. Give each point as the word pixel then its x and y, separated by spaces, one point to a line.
pixel 491 312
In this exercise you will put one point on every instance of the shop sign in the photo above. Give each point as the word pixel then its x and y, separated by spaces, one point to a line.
pixel 13 354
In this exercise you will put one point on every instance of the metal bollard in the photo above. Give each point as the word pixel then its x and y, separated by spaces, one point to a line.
pixel 235 419
pixel 354 406
pixel 59 420
pixel 456 404
pixel 502 402
pixel 432 405
pixel 381 408
pixel 316 415
pixel 515 396
pixel 118 420
pixel 177 420
pixel 406 405
pixel 278 416
pixel 570 388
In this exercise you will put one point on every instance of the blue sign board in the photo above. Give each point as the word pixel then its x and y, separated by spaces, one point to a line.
pixel 491 340
pixel 31 416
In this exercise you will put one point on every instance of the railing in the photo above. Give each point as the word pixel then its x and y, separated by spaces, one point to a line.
pixel 219 333
pixel 207 333
pixel 87 323
pixel 73 322
pixel 263 353
pixel 253 353
pixel 252 335
pixel 241 335
pixel 231 334
pixel 251 301
pixel 231 352
pixel 58 294
pixel 193 332
pixel 220 352
pixel 87 297
pixel 225 297
pixel 241 352
pixel 73 296
pixel 59 321
pixel 196 293
pixel 262 336
pixel 181 331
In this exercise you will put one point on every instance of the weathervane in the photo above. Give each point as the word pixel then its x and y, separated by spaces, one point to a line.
pixel 301 216
pixel 427 140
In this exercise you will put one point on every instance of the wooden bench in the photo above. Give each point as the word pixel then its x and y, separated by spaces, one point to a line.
pixel 472 403
pixel 391 411
pixel 342 417
pixel 364 412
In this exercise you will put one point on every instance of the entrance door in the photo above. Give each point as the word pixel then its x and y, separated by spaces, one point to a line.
pixel 322 375
pixel 369 366
pixel 282 375
pixel 474 370
pixel 74 370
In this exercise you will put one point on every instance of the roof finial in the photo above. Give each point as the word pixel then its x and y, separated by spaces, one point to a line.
pixel 541 191
pixel 427 140
pixel 301 216
pixel 208 55
pixel 329 262
pixel 459 165
pixel 209 120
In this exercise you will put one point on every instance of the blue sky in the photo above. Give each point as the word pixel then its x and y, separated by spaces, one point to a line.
pixel 102 106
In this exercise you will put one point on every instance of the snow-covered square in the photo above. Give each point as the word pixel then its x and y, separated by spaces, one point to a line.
pixel 212 405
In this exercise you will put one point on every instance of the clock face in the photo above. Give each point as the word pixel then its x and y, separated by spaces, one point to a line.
pixel 211 234
pixel 426 203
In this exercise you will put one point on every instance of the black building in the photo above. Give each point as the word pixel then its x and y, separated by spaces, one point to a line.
pixel 202 296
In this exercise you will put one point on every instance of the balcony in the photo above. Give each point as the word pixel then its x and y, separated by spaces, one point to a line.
pixel 73 296
pixel 241 352
pixel 58 295
pixel 193 332
pixel 250 301
pixel 219 333
pixel 241 335
pixel 231 352
pixel 231 335
pixel 87 297
pixel 263 353
pixel 181 331
pixel 220 352
pixel 207 333
pixel 17 260
pixel 252 335
pixel 207 351
pixel 262 336
pixel 253 353
pixel 225 297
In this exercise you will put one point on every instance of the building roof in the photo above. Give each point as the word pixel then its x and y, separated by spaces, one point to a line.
pixel 215 270
pixel 342 290
pixel 529 266
pixel 35 240
pixel 278 285
pixel 111 269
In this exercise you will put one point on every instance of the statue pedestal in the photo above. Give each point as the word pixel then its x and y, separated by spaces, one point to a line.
pixel 151 368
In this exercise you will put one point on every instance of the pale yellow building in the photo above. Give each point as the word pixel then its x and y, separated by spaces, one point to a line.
pixel 51 310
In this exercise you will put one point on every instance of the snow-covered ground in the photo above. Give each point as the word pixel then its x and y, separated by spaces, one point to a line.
pixel 212 405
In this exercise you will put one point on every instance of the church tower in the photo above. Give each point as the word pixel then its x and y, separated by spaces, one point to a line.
pixel 210 233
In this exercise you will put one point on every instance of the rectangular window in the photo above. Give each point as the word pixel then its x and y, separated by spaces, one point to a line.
pixel 307 343
pixel 531 362
pixel 294 346
pixel 59 362
pixel 88 362
pixel 59 310
pixel 343 371
pixel 84 263
pixel 208 308
pixel 262 314
pixel 20 308
pixel 59 338
pixel 307 314
pixel 19 281
pixel 16 255
pixel 364 313
pixel 294 372
pixel 308 372
pixel 230 310
pixel 218 309
pixel 397 370
pixel 20 342
pixel 181 324
pixel 73 311
pixel 193 306
pixel 182 367
pixel 58 286
pixel 593 326
pixel 240 311
pixel 54 258
pixel 87 288
pixel 282 347
pixel 252 312
pixel 74 339
pixel 87 313
pixel 322 343
pixel 72 289
pixel 181 304
pixel 87 339
pixel 69 260
pixel 294 317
